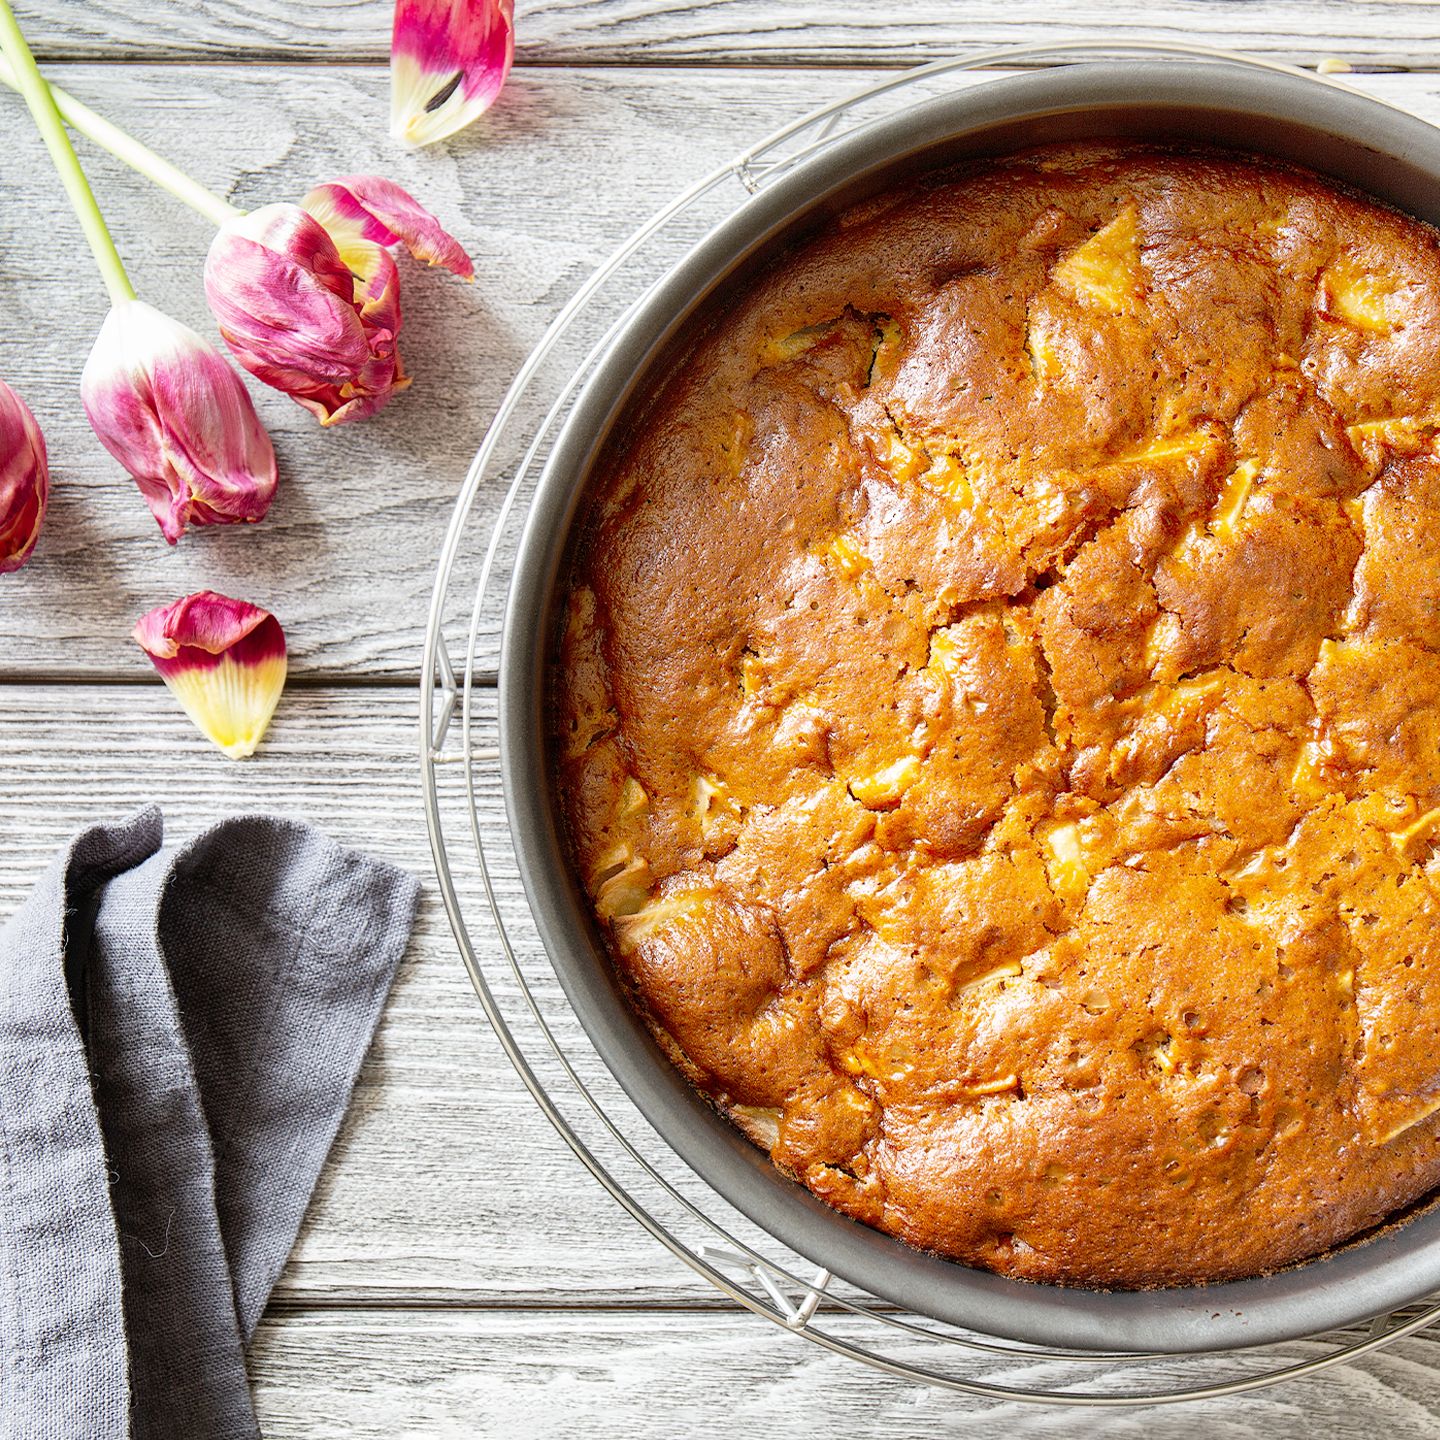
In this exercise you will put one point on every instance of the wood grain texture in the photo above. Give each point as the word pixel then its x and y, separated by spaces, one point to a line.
pixel 347 556
pixel 447 1189
pixel 729 1377
pixel 432 1190
pixel 555 1314
pixel 742 32
pixel 446 1185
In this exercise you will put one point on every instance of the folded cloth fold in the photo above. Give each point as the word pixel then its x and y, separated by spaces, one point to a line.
pixel 180 1033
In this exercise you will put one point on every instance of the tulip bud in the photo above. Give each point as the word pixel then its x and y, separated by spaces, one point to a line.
pixel 308 297
pixel 224 660
pixel 448 61
pixel 24 480
pixel 170 409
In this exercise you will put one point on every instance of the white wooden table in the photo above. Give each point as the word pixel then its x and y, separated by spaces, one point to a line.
pixel 459 1275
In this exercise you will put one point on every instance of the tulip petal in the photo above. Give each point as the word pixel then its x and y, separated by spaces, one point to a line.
pixel 291 231
pixel 170 409
pixel 377 301
pixel 279 289
pixel 224 660
pixel 24 480
pixel 298 315
pixel 374 209
pixel 448 62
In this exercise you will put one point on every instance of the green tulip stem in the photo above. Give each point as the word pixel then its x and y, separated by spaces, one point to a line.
pixel 79 116
pixel 32 86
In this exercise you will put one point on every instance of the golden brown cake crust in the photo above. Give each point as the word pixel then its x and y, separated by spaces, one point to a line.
pixel 998 718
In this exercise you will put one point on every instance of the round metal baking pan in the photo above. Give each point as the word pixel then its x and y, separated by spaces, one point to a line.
pixel 1364 143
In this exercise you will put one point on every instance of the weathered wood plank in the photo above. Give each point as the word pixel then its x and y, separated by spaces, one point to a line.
pixel 347 556
pixel 742 32
pixel 351 543
pixel 446 1185
pixel 348 553
pixel 652 1377
pixel 446 1182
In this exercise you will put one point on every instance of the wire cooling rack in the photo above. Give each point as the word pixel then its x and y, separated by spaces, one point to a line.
pixel 479 876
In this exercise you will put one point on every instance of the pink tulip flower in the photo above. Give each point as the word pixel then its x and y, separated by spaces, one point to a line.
pixel 308 297
pixel 448 62
pixel 24 480
pixel 224 660
pixel 170 409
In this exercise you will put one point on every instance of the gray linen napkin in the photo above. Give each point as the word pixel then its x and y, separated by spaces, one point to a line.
pixel 179 1036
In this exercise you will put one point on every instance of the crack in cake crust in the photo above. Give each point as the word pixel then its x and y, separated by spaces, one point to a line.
pixel 996 719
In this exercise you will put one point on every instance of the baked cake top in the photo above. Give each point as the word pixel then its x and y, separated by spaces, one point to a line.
pixel 997 713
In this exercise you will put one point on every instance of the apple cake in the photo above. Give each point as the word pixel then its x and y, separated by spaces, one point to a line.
pixel 997 712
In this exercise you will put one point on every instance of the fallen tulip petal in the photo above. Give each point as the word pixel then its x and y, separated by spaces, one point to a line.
pixel 372 208
pixel 170 409
pixel 448 62
pixel 24 480
pixel 224 660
